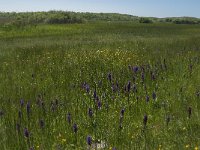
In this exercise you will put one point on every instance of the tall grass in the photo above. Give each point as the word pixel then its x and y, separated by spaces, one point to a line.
pixel 140 82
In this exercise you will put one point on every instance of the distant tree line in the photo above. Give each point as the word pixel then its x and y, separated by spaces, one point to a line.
pixel 60 17
pixel 65 17
pixel 51 17
pixel 183 20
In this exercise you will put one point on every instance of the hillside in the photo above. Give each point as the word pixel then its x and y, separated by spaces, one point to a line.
pixel 66 17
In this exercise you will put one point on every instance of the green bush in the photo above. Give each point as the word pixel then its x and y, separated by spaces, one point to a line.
pixel 145 20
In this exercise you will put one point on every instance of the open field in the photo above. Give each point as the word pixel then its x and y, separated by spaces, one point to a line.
pixel 125 85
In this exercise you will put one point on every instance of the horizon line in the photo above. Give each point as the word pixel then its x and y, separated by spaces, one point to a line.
pixel 97 13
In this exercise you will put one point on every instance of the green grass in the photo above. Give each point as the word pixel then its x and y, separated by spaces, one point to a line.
pixel 45 63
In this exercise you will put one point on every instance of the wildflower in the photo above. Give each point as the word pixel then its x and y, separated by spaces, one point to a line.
pixel 95 94
pixel 117 84
pixel 64 140
pixel 90 113
pixel 145 120
pixel 122 112
pixel 26 133
pixel 32 75
pixel 114 88
pixel 135 69
pixel 99 104
pixel 154 95
pixel 153 76
pixel 59 136
pixel 189 112
pixel 43 105
pixel 147 98
pixel 87 87
pixel 190 67
pixel 89 140
pixel 142 68
pixel 120 125
pixel 41 123
pixel 110 77
pixel 137 98
pixel 196 148
pixel 181 90
pixel 28 108
pixel 69 118
pixel 168 120
pixel 20 114
pixel 134 88
pixel 187 146
pixel 75 128
pixel 129 67
pixel 142 76
pixel 197 93
pixel 129 86
pixel 21 102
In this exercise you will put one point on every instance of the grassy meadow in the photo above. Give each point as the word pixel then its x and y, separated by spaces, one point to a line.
pixel 100 85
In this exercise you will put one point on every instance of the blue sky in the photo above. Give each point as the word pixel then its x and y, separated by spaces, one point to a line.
pixel 156 8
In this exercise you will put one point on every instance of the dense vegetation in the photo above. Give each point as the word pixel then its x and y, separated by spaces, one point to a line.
pixel 61 17
pixel 64 17
pixel 113 85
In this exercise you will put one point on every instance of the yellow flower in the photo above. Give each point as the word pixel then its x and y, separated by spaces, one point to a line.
pixel 187 146
pixel 63 140
pixel 59 135
pixel 196 148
